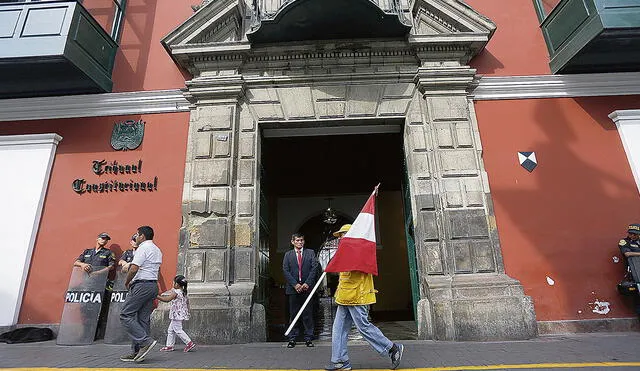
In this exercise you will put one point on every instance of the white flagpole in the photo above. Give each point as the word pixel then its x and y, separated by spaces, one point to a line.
pixel 295 319
pixel 304 305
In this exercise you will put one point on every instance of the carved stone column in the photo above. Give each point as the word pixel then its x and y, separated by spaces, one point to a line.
pixel 465 294
pixel 217 236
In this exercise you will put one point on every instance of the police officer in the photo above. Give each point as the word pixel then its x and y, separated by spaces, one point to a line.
pixel 98 257
pixel 127 256
pixel 96 260
pixel 630 246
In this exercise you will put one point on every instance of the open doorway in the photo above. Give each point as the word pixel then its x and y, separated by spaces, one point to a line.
pixel 303 174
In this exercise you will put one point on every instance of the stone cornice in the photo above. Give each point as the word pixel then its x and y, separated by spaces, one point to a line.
pixel 444 80
pixel 214 89
pixel 93 105
pixel 556 86
pixel 166 101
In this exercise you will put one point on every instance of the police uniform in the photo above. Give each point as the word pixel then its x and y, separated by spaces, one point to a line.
pixel 127 256
pixel 628 245
pixel 101 258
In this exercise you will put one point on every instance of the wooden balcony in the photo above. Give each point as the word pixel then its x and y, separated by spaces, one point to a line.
pixel 53 48
pixel 589 36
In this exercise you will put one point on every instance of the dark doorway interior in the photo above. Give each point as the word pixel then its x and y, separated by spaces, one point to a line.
pixel 306 167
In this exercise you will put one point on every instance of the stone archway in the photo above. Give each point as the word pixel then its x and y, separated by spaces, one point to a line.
pixel 423 81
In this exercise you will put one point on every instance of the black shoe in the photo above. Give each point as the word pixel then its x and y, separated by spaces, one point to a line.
pixel 396 355
pixel 309 343
pixel 291 344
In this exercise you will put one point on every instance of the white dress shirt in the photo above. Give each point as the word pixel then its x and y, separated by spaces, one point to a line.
pixel 148 258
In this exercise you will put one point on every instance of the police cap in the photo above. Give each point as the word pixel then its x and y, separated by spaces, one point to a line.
pixel 106 236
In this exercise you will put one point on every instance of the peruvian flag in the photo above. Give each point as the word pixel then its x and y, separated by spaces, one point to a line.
pixel 357 248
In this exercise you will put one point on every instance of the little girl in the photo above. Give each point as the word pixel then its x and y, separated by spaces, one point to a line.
pixel 179 312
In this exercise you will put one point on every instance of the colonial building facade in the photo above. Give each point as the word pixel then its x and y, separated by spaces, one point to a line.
pixel 507 186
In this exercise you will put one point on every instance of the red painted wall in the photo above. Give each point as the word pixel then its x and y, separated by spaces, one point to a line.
pixel 70 222
pixel 142 63
pixel 517 46
pixel 563 220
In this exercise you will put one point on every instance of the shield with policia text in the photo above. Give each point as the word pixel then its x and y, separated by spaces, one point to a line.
pixel 83 301
pixel 115 332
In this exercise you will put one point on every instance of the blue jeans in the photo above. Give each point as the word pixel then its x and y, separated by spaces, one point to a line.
pixel 346 316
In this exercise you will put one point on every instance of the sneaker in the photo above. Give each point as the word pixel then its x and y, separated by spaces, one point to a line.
pixel 144 351
pixel 128 357
pixel 346 366
pixel 189 346
pixel 291 344
pixel 309 343
pixel 166 349
pixel 396 355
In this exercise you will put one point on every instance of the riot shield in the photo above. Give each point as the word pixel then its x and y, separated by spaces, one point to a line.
pixel 634 267
pixel 115 332
pixel 83 301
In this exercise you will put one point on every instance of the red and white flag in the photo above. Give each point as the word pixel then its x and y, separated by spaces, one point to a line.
pixel 357 248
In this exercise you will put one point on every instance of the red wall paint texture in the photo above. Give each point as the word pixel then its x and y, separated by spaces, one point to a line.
pixel 71 221
pixel 564 219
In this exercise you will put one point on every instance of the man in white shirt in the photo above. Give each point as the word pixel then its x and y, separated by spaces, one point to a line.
pixel 142 283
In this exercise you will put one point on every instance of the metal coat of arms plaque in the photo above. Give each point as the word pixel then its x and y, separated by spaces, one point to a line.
pixel 127 135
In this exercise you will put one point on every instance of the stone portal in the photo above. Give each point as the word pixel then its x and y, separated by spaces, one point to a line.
pixel 422 79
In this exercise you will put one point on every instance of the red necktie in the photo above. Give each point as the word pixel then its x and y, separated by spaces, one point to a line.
pixel 299 265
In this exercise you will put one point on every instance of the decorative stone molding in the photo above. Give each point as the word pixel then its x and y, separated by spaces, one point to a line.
pixel 93 105
pixel 167 101
pixel 445 80
pixel 461 35
pixel 556 86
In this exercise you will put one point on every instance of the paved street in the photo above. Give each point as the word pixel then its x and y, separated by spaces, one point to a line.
pixel 608 351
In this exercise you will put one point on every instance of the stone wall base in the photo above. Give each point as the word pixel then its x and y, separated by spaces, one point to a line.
pixel 589 325
pixel 476 308
pixel 229 325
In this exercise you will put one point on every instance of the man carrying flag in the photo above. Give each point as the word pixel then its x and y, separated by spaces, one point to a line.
pixel 355 260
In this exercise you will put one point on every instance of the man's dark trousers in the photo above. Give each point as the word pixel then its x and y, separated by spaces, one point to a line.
pixel 295 274
pixel 135 314
pixel 295 303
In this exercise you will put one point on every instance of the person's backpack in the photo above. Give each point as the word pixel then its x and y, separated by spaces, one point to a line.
pixel 26 335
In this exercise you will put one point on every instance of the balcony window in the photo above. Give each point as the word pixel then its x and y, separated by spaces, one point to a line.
pixel 591 36
pixel 58 47
pixel 544 7
pixel 108 13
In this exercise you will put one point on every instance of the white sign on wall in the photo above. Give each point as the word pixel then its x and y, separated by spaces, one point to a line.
pixel 30 158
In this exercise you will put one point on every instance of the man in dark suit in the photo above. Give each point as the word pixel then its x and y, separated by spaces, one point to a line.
pixel 300 268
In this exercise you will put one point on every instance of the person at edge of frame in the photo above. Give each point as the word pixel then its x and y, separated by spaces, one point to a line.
pixel 630 247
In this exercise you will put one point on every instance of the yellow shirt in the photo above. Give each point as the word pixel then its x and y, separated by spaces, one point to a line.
pixel 355 288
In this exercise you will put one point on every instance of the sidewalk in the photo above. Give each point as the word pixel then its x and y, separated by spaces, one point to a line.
pixel 580 348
